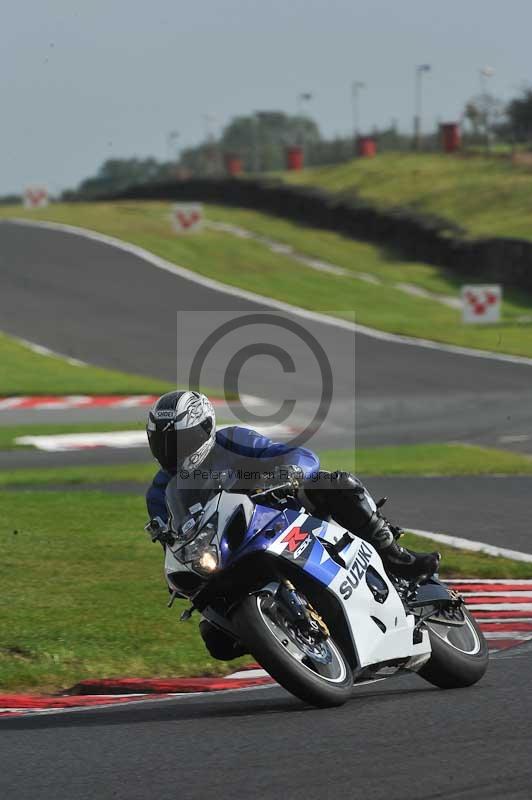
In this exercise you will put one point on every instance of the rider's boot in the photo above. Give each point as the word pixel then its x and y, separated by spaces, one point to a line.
pixel 397 560
pixel 219 644
pixel 342 496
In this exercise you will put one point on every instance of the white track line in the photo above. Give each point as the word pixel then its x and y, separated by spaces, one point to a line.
pixel 327 267
pixel 476 547
pixel 209 283
pixel 45 351
pixel 248 673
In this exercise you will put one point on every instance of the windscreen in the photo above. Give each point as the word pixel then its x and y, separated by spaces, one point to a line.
pixel 186 497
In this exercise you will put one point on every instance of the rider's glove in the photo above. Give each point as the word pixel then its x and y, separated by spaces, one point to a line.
pixel 158 531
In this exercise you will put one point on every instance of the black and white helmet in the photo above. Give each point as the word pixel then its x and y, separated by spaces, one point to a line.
pixel 181 430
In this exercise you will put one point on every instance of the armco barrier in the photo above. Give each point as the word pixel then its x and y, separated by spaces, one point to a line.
pixel 414 236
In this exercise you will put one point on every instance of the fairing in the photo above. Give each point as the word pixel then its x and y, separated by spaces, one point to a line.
pixel 380 628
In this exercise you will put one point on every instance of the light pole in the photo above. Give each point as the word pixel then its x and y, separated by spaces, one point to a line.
pixel 420 70
pixel 303 97
pixel 356 86
pixel 209 120
pixel 212 160
pixel 255 160
pixel 171 143
pixel 486 73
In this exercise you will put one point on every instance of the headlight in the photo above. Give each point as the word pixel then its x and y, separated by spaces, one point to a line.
pixel 208 561
pixel 201 554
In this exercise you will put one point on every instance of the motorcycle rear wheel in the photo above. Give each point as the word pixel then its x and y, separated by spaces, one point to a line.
pixel 459 652
pixel 317 673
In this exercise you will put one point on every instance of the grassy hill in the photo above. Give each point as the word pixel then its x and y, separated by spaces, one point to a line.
pixel 484 196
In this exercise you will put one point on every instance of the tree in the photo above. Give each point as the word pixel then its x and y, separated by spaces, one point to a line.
pixel 473 115
pixel 204 159
pixel 484 113
pixel 261 138
pixel 10 200
pixel 117 174
pixel 519 113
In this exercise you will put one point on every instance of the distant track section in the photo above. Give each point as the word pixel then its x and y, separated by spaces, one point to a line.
pixel 117 306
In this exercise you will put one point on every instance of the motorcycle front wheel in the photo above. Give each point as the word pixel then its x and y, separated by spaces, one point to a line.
pixel 459 650
pixel 313 668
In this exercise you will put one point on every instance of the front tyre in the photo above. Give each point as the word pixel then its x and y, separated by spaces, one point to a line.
pixel 315 670
pixel 459 651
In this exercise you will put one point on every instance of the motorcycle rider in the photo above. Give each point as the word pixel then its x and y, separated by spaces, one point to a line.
pixel 182 435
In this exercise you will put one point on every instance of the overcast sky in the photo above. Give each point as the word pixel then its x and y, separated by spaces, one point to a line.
pixel 84 81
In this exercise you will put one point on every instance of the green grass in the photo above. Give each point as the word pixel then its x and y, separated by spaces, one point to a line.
pixel 23 371
pixel 429 459
pixel 83 595
pixel 252 266
pixel 141 473
pixel 424 459
pixel 343 252
pixel 484 196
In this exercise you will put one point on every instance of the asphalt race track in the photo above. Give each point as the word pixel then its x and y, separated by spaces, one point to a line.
pixel 400 739
pixel 397 739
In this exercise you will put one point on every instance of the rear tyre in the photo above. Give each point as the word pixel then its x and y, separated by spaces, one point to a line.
pixel 459 651
pixel 316 672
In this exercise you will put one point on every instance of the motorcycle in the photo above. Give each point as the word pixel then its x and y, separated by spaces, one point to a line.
pixel 310 601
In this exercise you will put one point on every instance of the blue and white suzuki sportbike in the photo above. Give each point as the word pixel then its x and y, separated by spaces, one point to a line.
pixel 311 601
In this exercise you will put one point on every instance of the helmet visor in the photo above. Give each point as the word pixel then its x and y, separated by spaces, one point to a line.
pixel 173 447
pixel 189 440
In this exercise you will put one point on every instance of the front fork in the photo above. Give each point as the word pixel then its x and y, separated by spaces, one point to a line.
pixel 297 609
